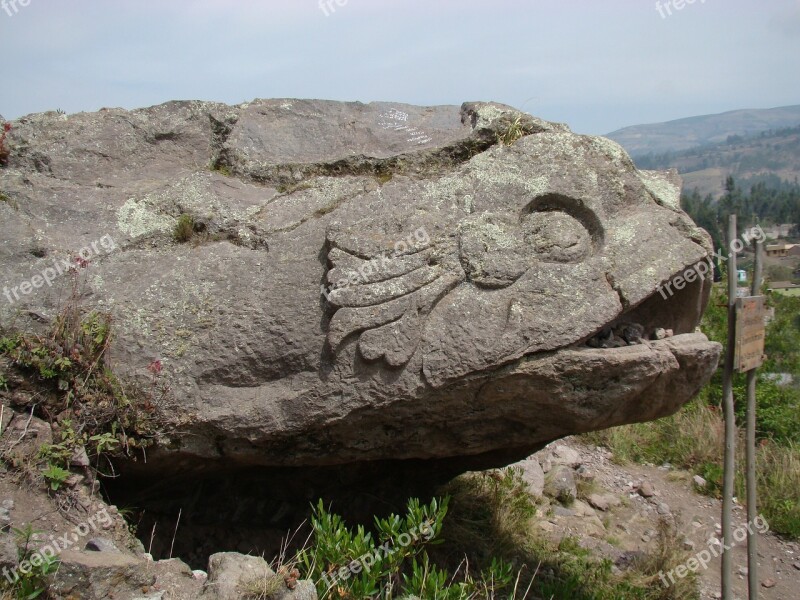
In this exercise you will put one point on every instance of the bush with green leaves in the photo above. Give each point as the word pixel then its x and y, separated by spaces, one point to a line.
pixel 56 476
pixel 184 229
pixel 391 563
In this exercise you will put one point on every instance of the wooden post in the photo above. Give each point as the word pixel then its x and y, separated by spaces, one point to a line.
pixel 752 496
pixel 730 419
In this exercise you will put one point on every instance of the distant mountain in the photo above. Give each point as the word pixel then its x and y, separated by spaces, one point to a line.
pixel 683 134
pixel 771 156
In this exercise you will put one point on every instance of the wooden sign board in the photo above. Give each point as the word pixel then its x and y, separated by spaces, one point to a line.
pixel 750 333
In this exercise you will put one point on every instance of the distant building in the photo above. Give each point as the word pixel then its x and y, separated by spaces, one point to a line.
pixel 741 274
pixel 786 288
pixel 794 250
pixel 779 250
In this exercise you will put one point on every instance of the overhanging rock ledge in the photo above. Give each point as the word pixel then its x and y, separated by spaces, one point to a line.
pixel 366 282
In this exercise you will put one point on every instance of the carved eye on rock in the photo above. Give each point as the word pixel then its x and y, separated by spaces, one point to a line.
pixel 561 229
pixel 496 250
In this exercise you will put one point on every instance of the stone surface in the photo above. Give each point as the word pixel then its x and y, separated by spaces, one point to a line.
pixel 98 575
pixel 533 475
pixel 101 545
pixel 646 490
pixel 564 455
pixel 80 458
pixel 9 554
pixel 367 282
pixel 230 572
pixel 603 502
pixel 560 484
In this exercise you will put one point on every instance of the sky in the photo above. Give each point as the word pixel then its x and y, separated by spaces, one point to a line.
pixel 596 65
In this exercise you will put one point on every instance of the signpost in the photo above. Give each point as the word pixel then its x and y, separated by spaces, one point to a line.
pixel 750 333
pixel 750 353
pixel 744 354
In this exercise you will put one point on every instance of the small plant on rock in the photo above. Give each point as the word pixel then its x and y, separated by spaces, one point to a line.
pixel 31 582
pixel 515 131
pixel 265 586
pixel 56 476
pixel 184 229
pixel 96 410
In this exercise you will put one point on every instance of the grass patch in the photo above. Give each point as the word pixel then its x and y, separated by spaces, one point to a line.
pixel 262 587
pixel 491 516
pixel 693 439
pixel 223 170
pixel 513 132
pixel 184 229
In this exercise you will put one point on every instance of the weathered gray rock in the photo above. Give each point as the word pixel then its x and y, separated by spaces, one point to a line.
pixel 646 490
pixel 9 554
pixel 533 475
pixel 97 575
pixel 603 502
pixel 559 454
pixel 560 484
pixel 367 282
pixel 99 544
pixel 232 575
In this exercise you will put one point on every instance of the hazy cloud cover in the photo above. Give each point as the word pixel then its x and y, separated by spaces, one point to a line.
pixel 595 65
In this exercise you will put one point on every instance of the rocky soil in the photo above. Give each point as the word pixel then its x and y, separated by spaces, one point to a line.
pixel 615 516
pixel 621 508
pixel 99 556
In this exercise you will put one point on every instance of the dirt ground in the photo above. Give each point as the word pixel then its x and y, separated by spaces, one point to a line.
pixel 630 526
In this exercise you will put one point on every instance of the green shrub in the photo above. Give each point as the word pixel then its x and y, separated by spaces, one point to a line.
pixel 352 563
pixel 56 476
pixel 184 229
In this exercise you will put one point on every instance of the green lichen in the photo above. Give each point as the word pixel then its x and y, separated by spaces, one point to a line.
pixel 665 192
pixel 137 218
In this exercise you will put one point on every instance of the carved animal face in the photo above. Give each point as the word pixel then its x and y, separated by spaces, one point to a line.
pixel 527 252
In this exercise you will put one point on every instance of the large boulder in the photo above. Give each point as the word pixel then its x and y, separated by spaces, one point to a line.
pixel 365 282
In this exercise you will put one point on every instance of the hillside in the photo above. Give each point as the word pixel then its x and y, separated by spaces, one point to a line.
pixel 770 156
pixel 683 134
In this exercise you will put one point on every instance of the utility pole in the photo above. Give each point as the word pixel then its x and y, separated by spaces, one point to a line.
pixel 752 510
pixel 730 419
